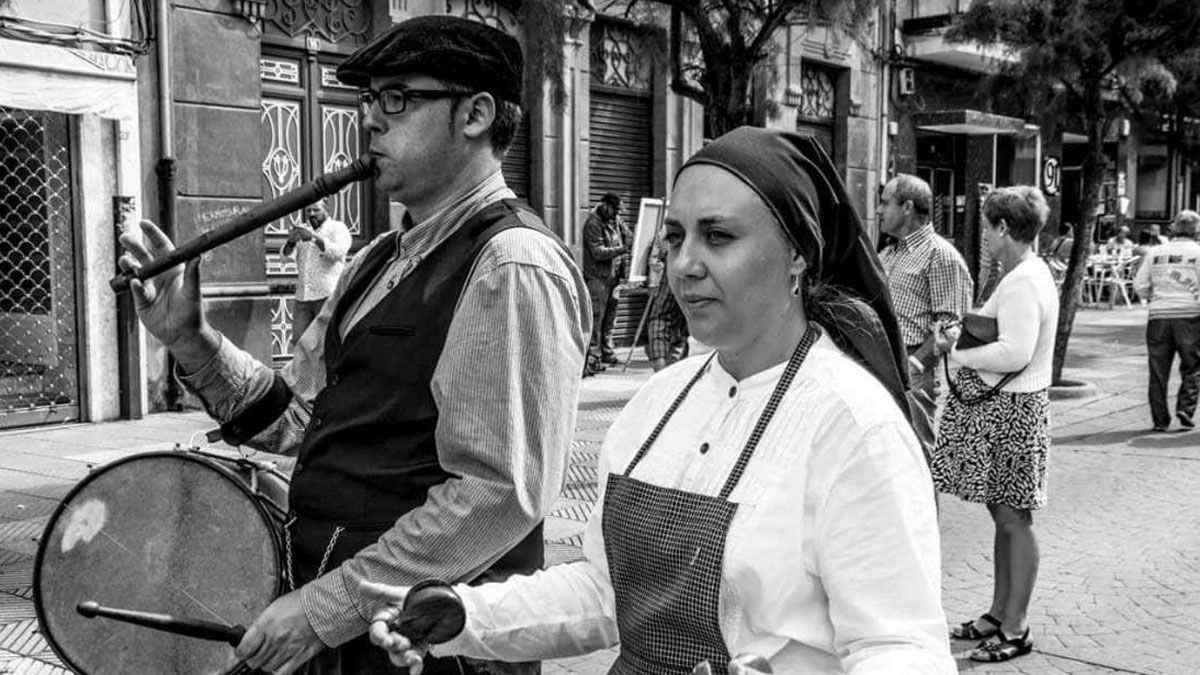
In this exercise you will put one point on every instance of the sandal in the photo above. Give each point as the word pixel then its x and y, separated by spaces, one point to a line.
pixel 968 631
pixel 1003 648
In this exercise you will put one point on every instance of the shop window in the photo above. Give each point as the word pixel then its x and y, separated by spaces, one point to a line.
pixel 1153 182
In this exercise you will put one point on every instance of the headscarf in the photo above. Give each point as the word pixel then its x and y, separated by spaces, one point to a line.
pixel 796 179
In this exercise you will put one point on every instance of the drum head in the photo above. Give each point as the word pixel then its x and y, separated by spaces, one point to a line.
pixel 165 533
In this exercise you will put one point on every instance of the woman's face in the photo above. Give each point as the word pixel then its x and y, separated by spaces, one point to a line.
pixel 993 234
pixel 728 262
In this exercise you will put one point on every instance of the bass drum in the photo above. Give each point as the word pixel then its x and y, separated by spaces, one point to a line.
pixel 183 533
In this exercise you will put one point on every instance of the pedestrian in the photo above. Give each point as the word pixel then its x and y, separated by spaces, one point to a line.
pixel 929 283
pixel 606 243
pixel 994 436
pixel 1159 237
pixel 1120 244
pixel 320 246
pixel 432 402
pixel 769 498
pixel 666 327
pixel 1059 250
pixel 1169 277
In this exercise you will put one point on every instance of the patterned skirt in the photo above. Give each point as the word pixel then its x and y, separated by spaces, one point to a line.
pixel 994 451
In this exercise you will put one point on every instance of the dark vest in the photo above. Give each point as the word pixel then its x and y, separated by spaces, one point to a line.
pixel 368 455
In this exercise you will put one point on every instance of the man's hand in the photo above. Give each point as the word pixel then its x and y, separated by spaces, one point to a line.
pixel 168 304
pixel 280 640
pixel 302 232
pixel 401 651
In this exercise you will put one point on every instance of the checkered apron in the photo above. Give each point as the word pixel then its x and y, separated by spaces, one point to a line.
pixel 665 549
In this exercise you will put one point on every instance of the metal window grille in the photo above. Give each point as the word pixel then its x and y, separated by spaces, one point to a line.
pixel 39 351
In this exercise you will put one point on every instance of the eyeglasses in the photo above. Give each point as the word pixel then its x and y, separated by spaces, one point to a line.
pixel 395 101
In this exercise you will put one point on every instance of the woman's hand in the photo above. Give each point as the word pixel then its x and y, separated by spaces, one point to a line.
pixel 945 335
pixel 401 651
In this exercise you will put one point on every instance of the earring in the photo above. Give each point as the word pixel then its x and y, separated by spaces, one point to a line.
pixel 796 285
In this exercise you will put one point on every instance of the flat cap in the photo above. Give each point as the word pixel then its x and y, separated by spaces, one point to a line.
pixel 456 50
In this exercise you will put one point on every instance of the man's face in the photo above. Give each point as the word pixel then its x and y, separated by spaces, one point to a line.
pixel 417 152
pixel 315 214
pixel 609 210
pixel 891 214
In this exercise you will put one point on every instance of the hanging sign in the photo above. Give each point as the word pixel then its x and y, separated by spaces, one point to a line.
pixel 1051 175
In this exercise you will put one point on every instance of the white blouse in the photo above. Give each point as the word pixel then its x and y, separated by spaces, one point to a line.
pixel 832 561
pixel 1025 306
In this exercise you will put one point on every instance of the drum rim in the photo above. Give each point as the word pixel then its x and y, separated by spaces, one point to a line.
pixel 204 460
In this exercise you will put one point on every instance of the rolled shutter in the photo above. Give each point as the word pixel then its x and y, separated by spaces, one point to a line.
pixel 621 160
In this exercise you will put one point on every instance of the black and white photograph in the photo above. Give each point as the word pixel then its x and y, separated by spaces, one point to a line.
pixel 599 337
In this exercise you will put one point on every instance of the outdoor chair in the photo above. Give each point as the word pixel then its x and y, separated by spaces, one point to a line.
pixel 1120 280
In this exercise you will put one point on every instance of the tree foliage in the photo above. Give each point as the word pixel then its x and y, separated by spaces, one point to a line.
pixel 721 51
pixel 1085 63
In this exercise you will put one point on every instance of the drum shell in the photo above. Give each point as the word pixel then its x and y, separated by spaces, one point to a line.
pixel 177 533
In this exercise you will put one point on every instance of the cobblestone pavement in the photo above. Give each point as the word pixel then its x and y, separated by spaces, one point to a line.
pixel 1119 587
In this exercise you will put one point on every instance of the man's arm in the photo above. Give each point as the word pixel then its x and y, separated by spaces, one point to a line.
pixel 593 237
pixel 233 382
pixel 950 286
pixel 506 388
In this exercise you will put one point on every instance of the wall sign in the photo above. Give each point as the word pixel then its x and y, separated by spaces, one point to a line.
pixel 1051 175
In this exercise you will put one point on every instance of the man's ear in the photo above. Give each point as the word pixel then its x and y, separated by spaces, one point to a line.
pixel 480 114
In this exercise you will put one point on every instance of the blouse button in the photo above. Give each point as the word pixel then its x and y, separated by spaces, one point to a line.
pixel 391 284
pixel 703 448
pixel 732 392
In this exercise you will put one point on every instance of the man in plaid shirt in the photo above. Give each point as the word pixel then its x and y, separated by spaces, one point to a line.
pixel 929 281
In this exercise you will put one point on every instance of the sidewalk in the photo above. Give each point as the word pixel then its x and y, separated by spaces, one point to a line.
pixel 1120 543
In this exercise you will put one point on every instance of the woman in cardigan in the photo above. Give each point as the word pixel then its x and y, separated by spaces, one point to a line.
pixel 769 498
pixel 994 435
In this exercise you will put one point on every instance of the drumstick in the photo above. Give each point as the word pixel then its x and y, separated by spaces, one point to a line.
pixel 196 628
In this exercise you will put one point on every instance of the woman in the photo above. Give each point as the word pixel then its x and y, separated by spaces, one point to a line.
pixel 769 498
pixel 995 432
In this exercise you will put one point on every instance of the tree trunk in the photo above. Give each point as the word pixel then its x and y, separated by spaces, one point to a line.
pixel 727 82
pixel 1072 286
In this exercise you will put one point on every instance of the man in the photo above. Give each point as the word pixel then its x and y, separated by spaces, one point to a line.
pixel 1170 277
pixel 1159 237
pixel 666 327
pixel 432 402
pixel 1120 244
pixel 930 285
pixel 606 241
pixel 320 248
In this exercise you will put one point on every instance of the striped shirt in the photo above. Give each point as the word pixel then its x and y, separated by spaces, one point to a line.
pixel 506 387
pixel 929 282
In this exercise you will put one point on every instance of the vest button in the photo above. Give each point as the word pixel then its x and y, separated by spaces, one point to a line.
pixel 703 448
pixel 333 380
pixel 316 423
